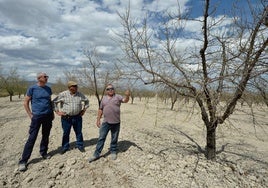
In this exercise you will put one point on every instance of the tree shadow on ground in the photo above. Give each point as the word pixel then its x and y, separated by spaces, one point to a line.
pixel 195 148
pixel 189 147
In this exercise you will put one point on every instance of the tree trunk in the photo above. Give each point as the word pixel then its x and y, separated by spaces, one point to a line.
pixel 172 105
pixel 211 142
pixel 98 97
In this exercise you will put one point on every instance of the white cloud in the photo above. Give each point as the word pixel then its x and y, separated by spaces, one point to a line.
pixel 51 35
pixel 17 42
pixel 170 6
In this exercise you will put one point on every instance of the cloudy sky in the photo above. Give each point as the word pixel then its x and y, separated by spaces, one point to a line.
pixel 50 35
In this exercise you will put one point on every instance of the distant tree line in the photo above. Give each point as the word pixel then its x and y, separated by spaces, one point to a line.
pixel 12 84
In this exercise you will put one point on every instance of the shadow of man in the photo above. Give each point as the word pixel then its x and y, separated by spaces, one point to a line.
pixel 124 145
pixel 87 143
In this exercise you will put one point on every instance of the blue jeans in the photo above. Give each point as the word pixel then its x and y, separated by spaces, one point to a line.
pixel 36 122
pixel 67 123
pixel 104 129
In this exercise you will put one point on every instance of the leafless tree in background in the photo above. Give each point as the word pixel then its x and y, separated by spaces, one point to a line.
pixel 60 85
pixel 13 84
pixel 96 73
pixel 222 61
pixel 261 84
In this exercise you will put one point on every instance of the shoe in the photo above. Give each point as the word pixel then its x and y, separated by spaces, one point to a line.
pixel 22 167
pixel 47 156
pixel 64 151
pixel 113 156
pixel 93 158
pixel 82 149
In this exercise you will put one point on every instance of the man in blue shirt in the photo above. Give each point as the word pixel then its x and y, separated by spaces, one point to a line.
pixel 41 113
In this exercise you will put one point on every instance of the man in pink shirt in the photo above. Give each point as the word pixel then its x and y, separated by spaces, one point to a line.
pixel 110 109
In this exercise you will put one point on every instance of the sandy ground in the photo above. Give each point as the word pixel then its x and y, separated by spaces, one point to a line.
pixel 157 148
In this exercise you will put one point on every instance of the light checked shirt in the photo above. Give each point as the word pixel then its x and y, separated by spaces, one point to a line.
pixel 70 104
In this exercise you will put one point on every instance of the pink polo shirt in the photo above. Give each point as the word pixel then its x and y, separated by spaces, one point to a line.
pixel 111 108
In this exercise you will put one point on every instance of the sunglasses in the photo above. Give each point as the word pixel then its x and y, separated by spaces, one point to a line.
pixel 43 77
pixel 110 89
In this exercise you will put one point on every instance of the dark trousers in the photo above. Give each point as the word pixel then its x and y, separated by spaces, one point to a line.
pixel 36 122
pixel 67 123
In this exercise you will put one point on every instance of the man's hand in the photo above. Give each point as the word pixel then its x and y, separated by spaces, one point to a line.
pixel 82 112
pixel 98 123
pixel 126 99
pixel 60 113
pixel 127 93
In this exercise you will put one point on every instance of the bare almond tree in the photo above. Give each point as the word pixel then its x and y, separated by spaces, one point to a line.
pixel 12 83
pixel 261 84
pixel 220 64
pixel 96 73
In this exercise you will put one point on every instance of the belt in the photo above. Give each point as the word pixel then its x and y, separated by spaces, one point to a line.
pixel 68 116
